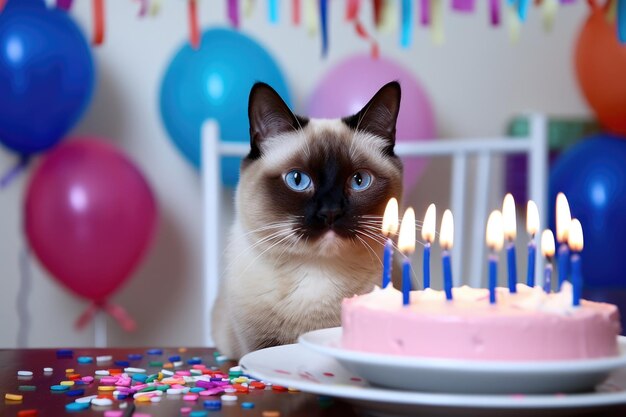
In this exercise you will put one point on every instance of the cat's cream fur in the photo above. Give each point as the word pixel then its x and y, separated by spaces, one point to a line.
pixel 277 284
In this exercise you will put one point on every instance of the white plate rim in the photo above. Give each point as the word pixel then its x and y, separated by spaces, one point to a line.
pixel 333 334
pixel 374 394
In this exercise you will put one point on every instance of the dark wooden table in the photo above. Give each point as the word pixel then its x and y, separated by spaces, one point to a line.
pixel 51 404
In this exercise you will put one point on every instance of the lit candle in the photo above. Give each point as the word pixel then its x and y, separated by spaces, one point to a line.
pixel 406 244
pixel 446 237
pixel 509 224
pixel 575 242
pixel 428 235
pixel 389 228
pixel 532 227
pixel 495 241
pixel 547 250
pixel 563 220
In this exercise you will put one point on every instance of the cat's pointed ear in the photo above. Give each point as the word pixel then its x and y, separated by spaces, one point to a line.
pixel 269 116
pixel 380 114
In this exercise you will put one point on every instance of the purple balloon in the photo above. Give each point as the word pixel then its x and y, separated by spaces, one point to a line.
pixel 347 87
pixel 89 217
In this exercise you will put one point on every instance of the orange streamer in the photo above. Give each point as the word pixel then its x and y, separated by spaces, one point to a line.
pixel 194 27
pixel 98 22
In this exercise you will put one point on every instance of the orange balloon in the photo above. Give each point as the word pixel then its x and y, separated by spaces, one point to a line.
pixel 601 70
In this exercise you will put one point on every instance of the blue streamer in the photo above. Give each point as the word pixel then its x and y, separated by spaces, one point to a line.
pixel 406 34
pixel 324 26
pixel 621 20
pixel 273 11
pixel 522 9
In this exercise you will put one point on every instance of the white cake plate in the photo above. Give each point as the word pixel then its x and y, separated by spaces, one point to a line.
pixel 298 367
pixel 476 377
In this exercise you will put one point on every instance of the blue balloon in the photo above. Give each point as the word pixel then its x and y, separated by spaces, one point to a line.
pixel 592 174
pixel 46 75
pixel 214 82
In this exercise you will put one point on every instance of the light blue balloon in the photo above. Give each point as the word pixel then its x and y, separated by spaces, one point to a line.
pixel 214 82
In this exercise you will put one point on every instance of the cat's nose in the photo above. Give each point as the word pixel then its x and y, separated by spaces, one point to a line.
pixel 330 214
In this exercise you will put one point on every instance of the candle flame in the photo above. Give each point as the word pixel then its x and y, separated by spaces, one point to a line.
pixel 495 231
pixel 390 218
pixel 406 240
pixel 446 233
pixel 532 218
pixel 508 217
pixel 428 228
pixel 575 236
pixel 563 218
pixel 547 243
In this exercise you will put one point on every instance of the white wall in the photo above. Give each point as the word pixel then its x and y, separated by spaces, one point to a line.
pixel 477 80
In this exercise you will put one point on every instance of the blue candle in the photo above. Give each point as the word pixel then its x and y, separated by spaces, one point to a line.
pixel 547 277
pixel 575 242
pixel 428 235
pixel 577 279
pixel 389 228
pixel 406 281
pixel 446 238
pixel 406 244
pixel 495 240
pixel 426 265
pixel 563 263
pixel 493 277
pixel 387 262
pixel 447 274
pixel 511 267
pixel 532 254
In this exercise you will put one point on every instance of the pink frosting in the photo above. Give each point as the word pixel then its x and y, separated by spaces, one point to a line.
pixel 528 325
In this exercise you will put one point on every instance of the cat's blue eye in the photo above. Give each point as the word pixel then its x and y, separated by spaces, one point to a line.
pixel 360 180
pixel 297 180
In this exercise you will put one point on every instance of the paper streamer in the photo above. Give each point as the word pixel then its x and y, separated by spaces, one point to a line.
pixel 2 4
pixel 425 12
pixel 512 23
pixel 352 9
pixel 611 10
pixel 522 9
pixel 436 21
pixel 98 22
pixel 377 6
pixel 143 8
pixel 295 12
pixel 494 12
pixel 621 20
pixel 233 13
pixel 463 6
pixel 272 10
pixel 389 16
pixel 548 12
pixel 406 30
pixel 324 26
pixel 311 18
pixel 194 27
pixel 155 7
pixel 248 7
pixel 62 4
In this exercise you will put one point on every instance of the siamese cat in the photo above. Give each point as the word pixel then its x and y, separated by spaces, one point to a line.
pixel 309 208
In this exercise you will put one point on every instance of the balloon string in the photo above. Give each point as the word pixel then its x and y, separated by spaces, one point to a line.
pixel 98 22
pixel 63 4
pixel 14 172
pixel 115 311
pixel 194 30
pixel 22 299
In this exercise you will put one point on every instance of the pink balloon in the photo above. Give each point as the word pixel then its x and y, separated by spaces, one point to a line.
pixel 89 216
pixel 347 87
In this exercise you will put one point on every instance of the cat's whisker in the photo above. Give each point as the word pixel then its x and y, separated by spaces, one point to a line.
pixel 367 246
pixel 266 239
pixel 273 245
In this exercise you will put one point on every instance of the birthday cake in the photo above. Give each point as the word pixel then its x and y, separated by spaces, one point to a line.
pixel 529 325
